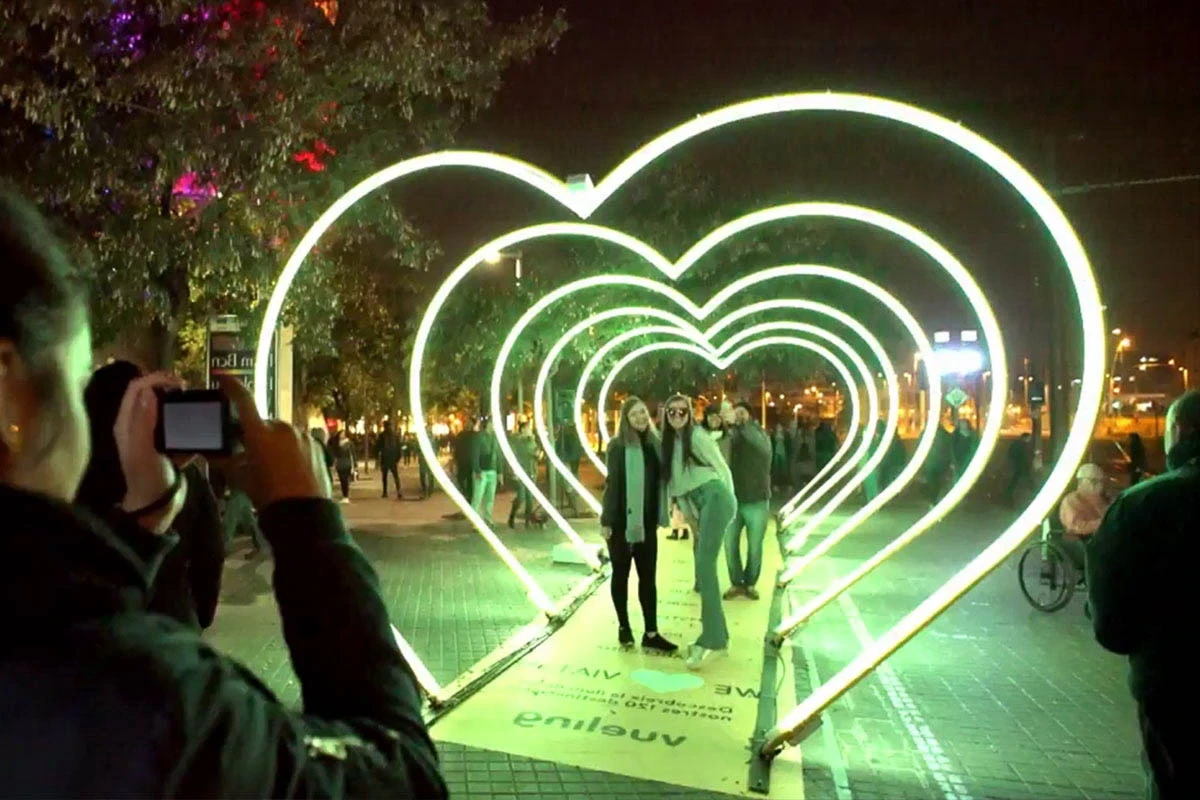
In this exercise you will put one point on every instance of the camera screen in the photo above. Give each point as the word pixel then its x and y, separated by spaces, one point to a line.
pixel 192 427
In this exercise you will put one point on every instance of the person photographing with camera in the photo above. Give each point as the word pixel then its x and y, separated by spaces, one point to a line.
pixel 101 697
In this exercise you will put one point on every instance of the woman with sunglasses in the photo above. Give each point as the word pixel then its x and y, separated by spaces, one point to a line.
pixel 631 515
pixel 698 479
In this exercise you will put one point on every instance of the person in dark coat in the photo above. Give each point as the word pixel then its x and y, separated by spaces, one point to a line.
pixel 188 583
pixel 387 450
pixel 1140 568
pixel 464 460
pixel 342 449
pixel 103 698
pixel 1020 467
pixel 1138 463
pixel 633 486
pixel 965 445
pixel 825 444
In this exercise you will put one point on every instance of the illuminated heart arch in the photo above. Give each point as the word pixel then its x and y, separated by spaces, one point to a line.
pixel 584 202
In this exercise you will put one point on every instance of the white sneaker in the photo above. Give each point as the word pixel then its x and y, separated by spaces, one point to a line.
pixel 696 656
pixel 345 500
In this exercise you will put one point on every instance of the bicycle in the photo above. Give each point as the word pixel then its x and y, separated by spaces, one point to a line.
pixel 1047 575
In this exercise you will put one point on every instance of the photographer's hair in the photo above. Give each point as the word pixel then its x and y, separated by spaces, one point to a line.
pixel 103 484
pixel 41 304
pixel 625 432
pixel 669 433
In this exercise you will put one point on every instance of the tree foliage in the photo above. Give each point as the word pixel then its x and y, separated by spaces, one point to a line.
pixel 188 144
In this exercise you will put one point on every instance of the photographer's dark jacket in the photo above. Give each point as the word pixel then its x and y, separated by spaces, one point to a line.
pixel 1140 574
pixel 750 462
pixel 100 698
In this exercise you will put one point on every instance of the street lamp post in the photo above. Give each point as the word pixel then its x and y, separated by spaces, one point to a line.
pixel 1123 344
pixel 515 256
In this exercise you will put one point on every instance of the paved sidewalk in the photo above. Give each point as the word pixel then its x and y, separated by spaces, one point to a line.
pixel 995 700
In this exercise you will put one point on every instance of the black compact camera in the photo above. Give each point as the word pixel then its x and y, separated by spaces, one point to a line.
pixel 195 422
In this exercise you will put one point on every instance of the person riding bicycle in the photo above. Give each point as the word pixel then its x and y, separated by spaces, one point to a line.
pixel 1082 510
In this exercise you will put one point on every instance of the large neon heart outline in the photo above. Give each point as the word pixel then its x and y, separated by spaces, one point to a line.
pixel 585 202
pixel 715 355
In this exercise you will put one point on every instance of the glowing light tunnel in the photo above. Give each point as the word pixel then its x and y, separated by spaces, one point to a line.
pixel 868 383
pixel 584 203
pixel 779 304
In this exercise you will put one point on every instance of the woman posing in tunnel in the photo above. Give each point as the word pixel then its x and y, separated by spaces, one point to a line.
pixel 633 511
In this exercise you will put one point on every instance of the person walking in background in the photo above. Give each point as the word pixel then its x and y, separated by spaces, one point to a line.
pixel 698 479
pixel 1140 571
pixel 387 450
pixel 779 460
pixel 570 451
pixel 894 462
pixel 343 461
pixel 1138 463
pixel 464 448
pixel 825 444
pixel 424 472
pixel 525 447
pixel 321 437
pixel 632 511
pixel 939 464
pixel 1020 467
pixel 964 447
pixel 485 469
pixel 679 529
pixel 750 463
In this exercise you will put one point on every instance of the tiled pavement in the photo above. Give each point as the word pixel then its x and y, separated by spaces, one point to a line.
pixel 995 700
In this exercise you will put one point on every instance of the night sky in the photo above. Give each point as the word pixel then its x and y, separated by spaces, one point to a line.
pixel 1106 96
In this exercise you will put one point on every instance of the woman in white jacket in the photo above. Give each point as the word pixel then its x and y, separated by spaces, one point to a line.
pixel 699 481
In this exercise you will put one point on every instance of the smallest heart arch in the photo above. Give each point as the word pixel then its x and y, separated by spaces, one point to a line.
pixel 666 682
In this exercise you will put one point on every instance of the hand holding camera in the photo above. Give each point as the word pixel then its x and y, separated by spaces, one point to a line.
pixel 277 461
pixel 154 490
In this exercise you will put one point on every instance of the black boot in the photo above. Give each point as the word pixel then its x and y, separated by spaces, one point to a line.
pixel 659 643
pixel 625 637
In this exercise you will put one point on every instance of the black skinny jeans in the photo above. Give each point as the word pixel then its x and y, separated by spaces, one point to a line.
pixel 344 480
pixel 645 556
pixel 385 469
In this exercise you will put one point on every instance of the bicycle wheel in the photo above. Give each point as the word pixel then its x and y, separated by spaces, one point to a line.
pixel 1047 576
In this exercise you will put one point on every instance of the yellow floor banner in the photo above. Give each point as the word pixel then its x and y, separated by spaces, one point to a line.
pixel 579 699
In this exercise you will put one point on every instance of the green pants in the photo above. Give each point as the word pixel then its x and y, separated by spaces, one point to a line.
pixel 752 517
pixel 712 506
